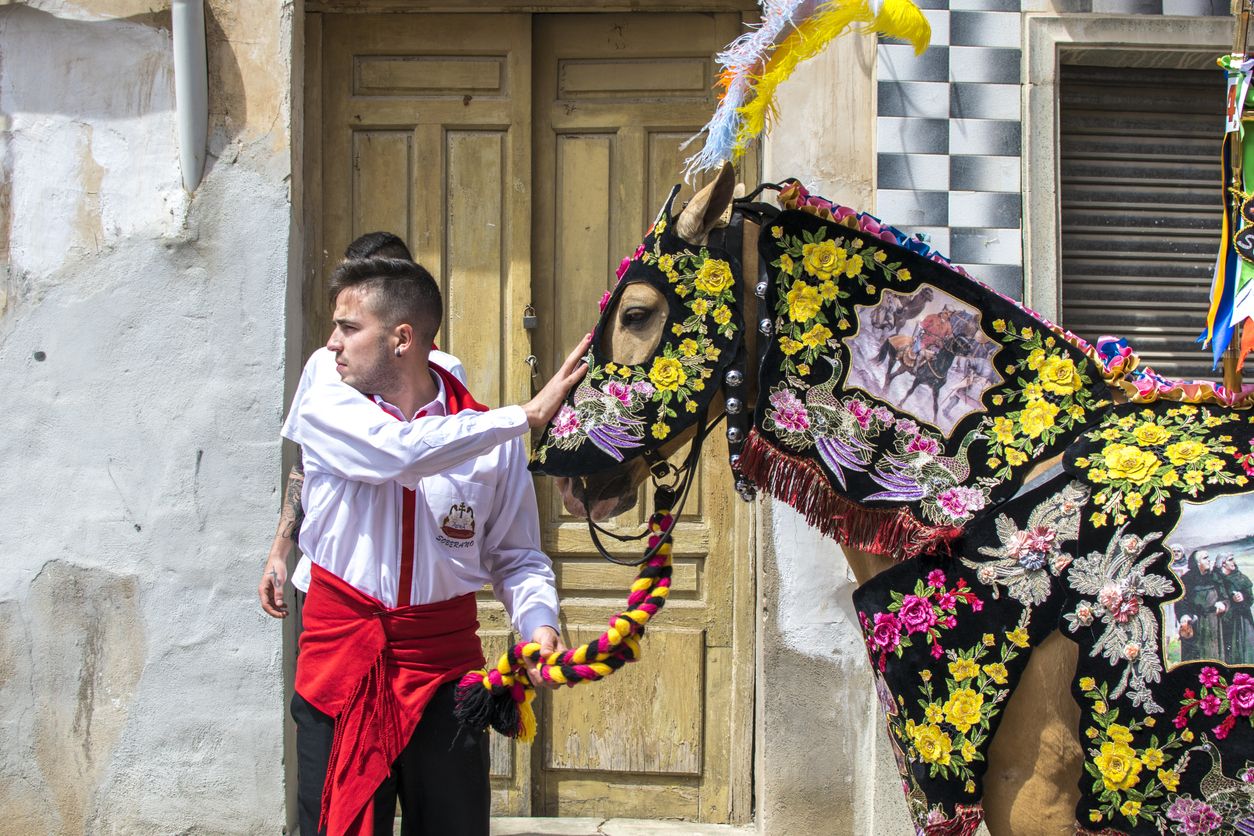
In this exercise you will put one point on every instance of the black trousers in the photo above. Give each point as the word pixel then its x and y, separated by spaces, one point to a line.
pixel 441 777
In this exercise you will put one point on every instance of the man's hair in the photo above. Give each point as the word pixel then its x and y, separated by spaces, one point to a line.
pixel 378 244
pixel 400 291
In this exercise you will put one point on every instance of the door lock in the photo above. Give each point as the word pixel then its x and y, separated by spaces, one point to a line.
pixel 530 320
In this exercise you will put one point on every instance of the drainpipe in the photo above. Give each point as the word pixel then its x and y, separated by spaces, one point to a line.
pixel 191 88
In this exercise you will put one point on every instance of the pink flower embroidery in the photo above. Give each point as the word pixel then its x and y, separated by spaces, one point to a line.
pixel 1209 677
pixel 1121 606
pixel 1241 695
pixel 620 390
pixel 923 444
pixel 789 412
pixel 916 614
pixel 622 268
pixel 936 578
pixel 861 412
pixel 886 634
pixel 565 422
pixel 959 502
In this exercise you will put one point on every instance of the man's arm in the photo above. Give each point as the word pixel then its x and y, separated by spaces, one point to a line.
pixel 344 434
pixel 274 573
pixel 522 575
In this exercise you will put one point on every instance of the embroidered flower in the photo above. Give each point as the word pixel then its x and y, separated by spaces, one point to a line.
pixel 1130 809
pixel 605 300
pixel 786 263
pixel 789 412
pixel 689 347
pixel 790 346
pixel 1209 677
pixel 1241 695
pixel 823 259
pixel 714 276
pixel 660 430
pixel 933 745
pixel 816 336
pixel 886 633
pixel 962 709
pixel 667 374
pixel 936 578
pixel 1037 417
pixel 1185 452
pixel 803 302
pixel 923 444
pixel 1120 604
pixel 565 422
pixel 722 315
pixel 1130 463
pixel 1195 817
pixel 622 391
pixel 916 614
pixel 1153 758
pixel 997 672
pixel 828 290
pixel 962 669
pixel 960 502
pixel 1058 375
pixel 1004 429
pixel 1150 433
pixel 1119 766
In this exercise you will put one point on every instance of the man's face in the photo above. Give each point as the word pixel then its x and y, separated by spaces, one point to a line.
pixel 363 353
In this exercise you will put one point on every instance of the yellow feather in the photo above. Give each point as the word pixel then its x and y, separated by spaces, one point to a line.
pixel 897 18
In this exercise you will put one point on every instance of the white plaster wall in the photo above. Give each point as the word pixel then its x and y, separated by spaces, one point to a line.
pixel 824 762
pixel 142 336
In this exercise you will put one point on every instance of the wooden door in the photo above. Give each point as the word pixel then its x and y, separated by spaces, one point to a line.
pixel 436 127
pixel 615 95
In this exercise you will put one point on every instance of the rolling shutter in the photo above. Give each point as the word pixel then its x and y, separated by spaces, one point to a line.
pixel 1141 208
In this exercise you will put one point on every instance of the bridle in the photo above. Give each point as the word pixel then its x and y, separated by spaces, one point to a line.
pixel 671 484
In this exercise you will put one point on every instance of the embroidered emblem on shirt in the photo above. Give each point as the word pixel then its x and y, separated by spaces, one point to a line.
pixel 458 525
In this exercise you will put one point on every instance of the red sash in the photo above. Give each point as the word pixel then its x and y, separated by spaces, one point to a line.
pixel 374 670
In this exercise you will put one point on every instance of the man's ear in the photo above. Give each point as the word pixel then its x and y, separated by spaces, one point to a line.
pixel 404 336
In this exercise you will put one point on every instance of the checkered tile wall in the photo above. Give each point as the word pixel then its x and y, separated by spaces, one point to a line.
pixel 949 128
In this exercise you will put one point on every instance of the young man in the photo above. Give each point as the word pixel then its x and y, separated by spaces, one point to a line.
pixel 274 573
pixel 415 496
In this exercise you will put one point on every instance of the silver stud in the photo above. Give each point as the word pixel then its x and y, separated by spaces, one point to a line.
pixel 735 435
pixel 735 461
pixel 766 327
pixel 746 490
pixel 760 289
pixel 734 405
pixel 734 377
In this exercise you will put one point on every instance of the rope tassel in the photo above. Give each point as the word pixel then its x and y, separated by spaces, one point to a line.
pixel 501 697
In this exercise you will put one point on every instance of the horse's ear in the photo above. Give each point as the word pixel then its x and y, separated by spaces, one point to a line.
pixel 707 206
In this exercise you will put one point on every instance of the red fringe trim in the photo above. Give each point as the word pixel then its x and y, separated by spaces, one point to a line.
pixel 966 820
pixel 802 484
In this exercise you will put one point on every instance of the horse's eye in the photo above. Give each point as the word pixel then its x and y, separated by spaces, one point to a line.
pixel 635 316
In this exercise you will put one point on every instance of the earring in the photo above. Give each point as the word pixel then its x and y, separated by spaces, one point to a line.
pixel 398 352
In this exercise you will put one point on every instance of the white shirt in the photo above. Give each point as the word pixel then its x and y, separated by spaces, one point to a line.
pixel 476 520
pixel 447 362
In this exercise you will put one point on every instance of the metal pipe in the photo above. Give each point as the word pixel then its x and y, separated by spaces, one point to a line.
pixel 191 88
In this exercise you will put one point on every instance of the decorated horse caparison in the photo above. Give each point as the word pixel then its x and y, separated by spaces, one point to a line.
pixel 1052 542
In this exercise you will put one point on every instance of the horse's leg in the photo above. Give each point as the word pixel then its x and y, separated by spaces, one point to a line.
pixel 1036 755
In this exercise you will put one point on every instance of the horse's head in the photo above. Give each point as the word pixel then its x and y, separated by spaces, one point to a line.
pixel 669 335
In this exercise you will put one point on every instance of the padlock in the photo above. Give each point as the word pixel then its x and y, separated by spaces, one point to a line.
pixel 530 320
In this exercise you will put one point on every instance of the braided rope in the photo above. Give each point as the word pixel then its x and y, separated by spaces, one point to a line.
pixel 501 696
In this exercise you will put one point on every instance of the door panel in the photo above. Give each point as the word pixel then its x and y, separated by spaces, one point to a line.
pixel 615 95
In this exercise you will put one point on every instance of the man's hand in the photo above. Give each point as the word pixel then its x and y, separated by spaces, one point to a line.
pixel 541 409
pixel 550 642
pixel 1221 607
pixel 270 590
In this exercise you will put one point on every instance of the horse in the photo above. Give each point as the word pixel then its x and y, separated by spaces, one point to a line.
pixel 928 366
pixel 1037 782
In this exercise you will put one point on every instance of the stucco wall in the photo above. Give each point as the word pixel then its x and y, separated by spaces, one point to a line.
pixel 142 350
pixel 824 762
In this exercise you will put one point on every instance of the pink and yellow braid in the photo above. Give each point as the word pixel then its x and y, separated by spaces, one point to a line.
pixel 501 696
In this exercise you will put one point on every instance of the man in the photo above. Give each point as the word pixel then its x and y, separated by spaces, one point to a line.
pixel 274 573
pixel 415 496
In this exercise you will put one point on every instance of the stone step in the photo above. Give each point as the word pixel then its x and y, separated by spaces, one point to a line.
pixel 592 826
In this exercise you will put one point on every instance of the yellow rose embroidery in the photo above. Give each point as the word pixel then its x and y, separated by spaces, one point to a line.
pixel 827 290
pixel 714 277
pixel 722 315
pixel 967 751
pixel 1018 637
pixel 667 375
pixel 903 274
pixel 1184 452
pixel 816 336
pixel 786 263
pixel 803 302
pixel 691 406
pixel 999 325
pixel 880 256
pixel 961 669
pixel 1075 411
pixel 700 307
pixel 934 745
pixel 1037 417
pixel 1014 457
pixel 1152 758
pixel 790 346
pixel 932 713
pixel 853 266
pixel 1147 434
pixel 1131 463
pixel 1036 358
pixel 1118 734
pixel 988 639
pixel 997 672
pixel 1098 475
pixel 666 262
pixel 1059 375
pixel 1170 779
pixel 1098 519
pixel 1194 478
pixel 1004 429
pixel 1131 808
pixel 777 231
pixel 660 431
pixel 962 709
pixel 803 369
pixel 1119 766
pixel 689 348
pixel 823 260
pixel 1087 683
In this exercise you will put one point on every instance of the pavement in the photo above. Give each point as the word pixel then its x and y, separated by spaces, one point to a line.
pixel 591 826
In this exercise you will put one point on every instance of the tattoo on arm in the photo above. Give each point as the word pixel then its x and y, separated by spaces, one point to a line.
pixel 292 511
